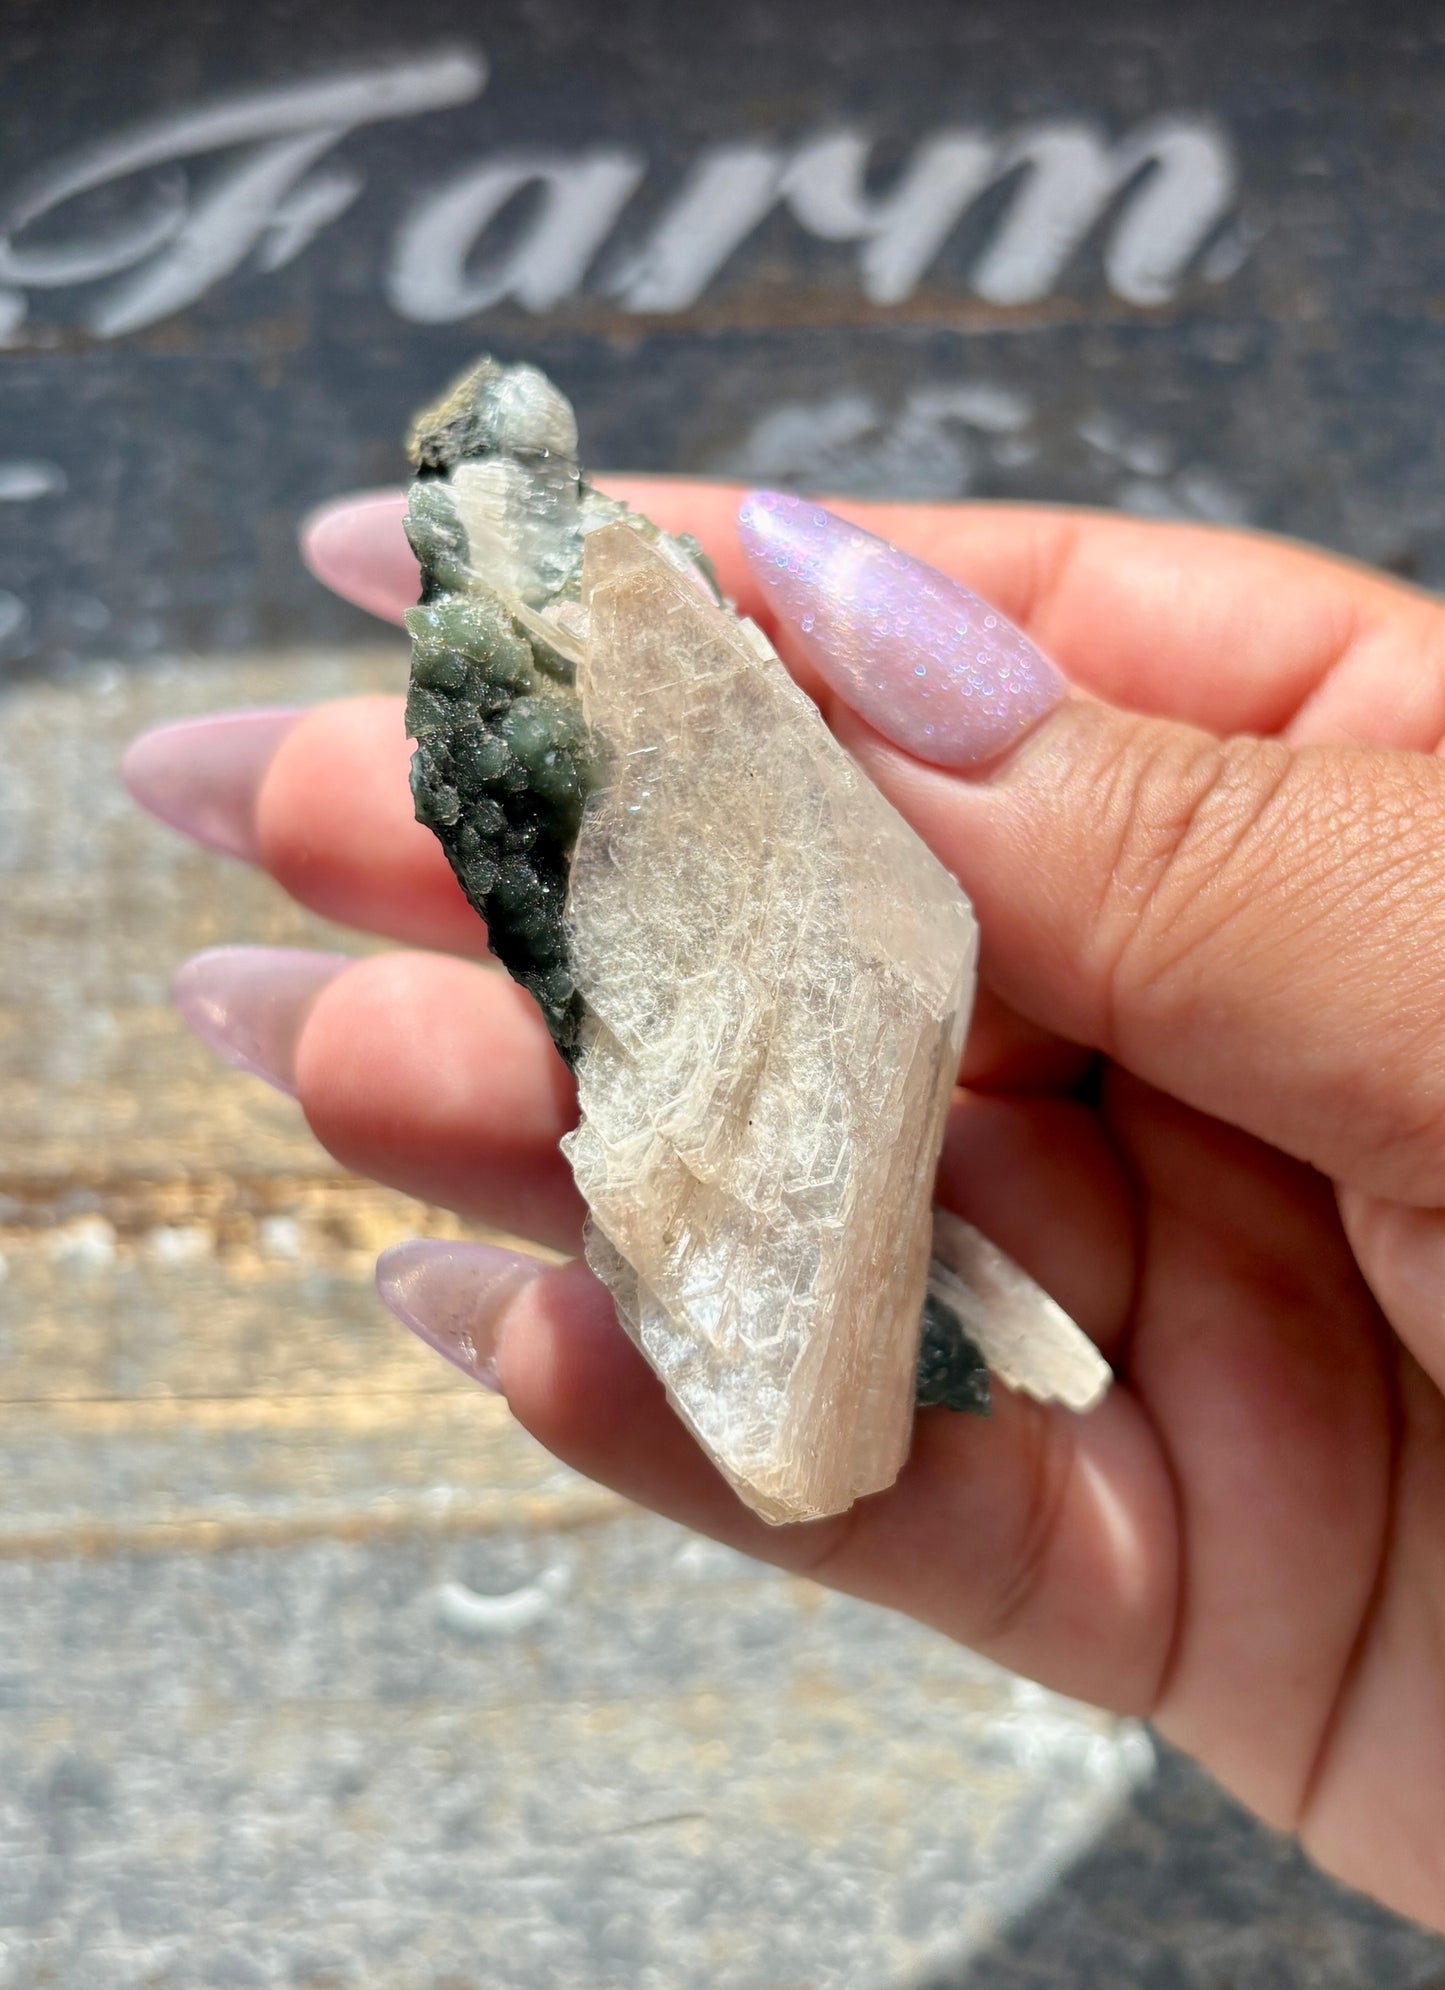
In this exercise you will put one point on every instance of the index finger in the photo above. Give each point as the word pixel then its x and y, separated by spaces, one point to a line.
pixel 1235 631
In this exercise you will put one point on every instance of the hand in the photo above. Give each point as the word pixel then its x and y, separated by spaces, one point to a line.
pixel 1204 1105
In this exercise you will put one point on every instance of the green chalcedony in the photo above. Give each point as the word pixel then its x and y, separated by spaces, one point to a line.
pixel 502 764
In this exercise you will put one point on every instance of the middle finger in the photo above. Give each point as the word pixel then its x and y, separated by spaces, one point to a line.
pixel 334 827
pixel 438 1077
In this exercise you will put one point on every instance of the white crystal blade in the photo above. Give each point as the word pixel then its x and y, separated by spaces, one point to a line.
pixel 1027 1338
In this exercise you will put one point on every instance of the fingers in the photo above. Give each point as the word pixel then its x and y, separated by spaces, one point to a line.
pixel 1256 931
pixel 322 800
pixel 1267 1372
pixel 1045 1541
pixel 1140 888
pixel 334 826
pixel 1041 1177
pixel 438 1078
pixel 1006 1053
pixel 1402 1255
pixel 357 547
pixel 1233 631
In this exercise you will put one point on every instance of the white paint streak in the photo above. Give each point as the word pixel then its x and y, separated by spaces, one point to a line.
pixel 1073 175
pixel 939 440
pixel 581 198
pixel 982 404
pixel 299 219
pixel 217 235
pixel 903 231
pixel 1191 187
pixel 1145 455
pixel 23 480
pixel 1161 191
pixel 193 244
pixel 728 192
pixel 929 446
pixel 1183 167
pixel 475 1616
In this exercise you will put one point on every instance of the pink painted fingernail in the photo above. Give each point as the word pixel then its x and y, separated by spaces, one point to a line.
pixel 357 547
pixel 249 1004
pixel 453 1295
pixel 202 776
pixel 928 664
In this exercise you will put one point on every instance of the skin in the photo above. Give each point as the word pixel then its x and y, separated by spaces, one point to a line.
pixel 1203 1102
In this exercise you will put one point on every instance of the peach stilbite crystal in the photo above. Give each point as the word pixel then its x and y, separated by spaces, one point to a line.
pixel 777 975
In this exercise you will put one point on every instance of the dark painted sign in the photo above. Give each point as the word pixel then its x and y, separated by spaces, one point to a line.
pixel 1190 262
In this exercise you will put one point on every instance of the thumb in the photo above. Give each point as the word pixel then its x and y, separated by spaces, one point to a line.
pixel 1256 929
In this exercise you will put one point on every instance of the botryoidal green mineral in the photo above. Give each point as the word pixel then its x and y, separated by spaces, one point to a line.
pixel 952 1374
pixel 503 761
pixel 500 773
pixel 497 518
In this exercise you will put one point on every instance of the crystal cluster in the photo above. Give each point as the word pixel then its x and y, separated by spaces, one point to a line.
pixel 758 973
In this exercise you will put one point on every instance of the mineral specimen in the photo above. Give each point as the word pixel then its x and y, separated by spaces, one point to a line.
pixel 1015 1327
pixel 778 975
pixel 759 974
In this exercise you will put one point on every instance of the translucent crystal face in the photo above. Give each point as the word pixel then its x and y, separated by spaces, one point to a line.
pixel 496 411
pixel 777 975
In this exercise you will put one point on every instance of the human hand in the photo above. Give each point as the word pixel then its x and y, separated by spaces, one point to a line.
pixel 1204 1106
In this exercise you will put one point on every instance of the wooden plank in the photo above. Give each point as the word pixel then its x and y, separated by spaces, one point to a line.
pixel 191 1354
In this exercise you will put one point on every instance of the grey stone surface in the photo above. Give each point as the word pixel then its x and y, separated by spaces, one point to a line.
pixel 307 1767
pixel 684 1770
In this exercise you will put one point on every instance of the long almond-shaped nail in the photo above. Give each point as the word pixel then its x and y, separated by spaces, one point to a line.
pixel 357 547
pixel 452 1296
pixel 929 665
pixel 249 1004
pixel 202 776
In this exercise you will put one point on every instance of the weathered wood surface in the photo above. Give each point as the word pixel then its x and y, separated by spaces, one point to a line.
pixel 193 1354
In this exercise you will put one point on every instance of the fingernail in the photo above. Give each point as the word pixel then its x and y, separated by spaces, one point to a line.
pixel 357 547
pixel 249 1004
pixel 202 776
pixel 453 1295
pixel 927 663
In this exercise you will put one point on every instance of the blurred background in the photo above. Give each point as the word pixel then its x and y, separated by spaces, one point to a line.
pixel 313 1672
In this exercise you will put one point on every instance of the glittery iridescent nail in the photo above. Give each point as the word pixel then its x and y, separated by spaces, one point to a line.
pixel 930 665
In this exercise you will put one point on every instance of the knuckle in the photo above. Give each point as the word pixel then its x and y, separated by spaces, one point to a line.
pixel 1195 828
pixel 1295 892
pixel 1048 1468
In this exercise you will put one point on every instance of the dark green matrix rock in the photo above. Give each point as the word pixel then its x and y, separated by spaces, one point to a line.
pixel 952 1374
pixel 503 761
